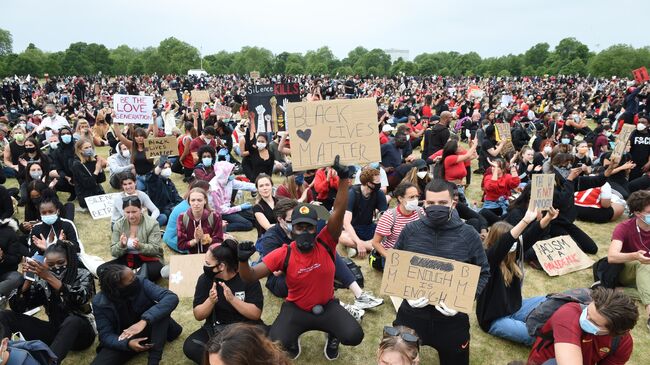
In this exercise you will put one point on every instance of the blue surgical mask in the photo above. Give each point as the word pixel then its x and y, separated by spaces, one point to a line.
pixel 66 138
pixel 300 179
pixel 586 324
pixel 289 226
pixel 566 141
pixel 231 178
pixel 49 219
pixel 646 219
pixel 207 161
pixel 374 165
pixel 89 152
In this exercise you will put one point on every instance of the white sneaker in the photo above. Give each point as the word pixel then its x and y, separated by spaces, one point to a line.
pixel 366 301
pixel 355 311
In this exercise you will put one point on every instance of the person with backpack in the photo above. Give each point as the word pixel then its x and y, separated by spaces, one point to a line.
pixel 500 309
pixel 588 331
pixel 363 201
pixel 310 304
pixel 22 352
pixel 392 222
pixel 222 299
pixel 441 232
pixel 199 227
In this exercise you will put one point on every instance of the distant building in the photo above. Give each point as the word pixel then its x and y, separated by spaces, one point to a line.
pixel 397 53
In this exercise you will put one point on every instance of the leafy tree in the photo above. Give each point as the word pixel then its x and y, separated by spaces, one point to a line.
pixel 177 55
pixel 536 55
pixel 6 42
pixel 320 61
pixel 121 58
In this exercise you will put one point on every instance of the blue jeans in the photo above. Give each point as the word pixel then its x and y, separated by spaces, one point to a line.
pixel 239 222
pixel 141 182
pixel 550 362
pixel 162 220
pixel 9 172
pixel 513 327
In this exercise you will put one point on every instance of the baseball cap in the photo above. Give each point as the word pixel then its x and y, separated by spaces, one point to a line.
pixel 38 112
pixel 387 128
pixel 304 214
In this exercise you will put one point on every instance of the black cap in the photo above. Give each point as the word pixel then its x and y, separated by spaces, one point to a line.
pixel 420 164
pixel 304 214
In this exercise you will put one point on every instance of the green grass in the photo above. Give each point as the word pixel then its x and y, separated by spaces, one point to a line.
pixel 485 349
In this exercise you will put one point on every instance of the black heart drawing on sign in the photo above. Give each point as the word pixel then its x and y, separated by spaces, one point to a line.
pixel 304 135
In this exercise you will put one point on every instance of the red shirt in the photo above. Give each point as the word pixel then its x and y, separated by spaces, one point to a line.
pixel 283 192
pixel 188 161
pixel 310 275
pixel 565 324
pixel 383 138
pixel 454 170
pixel 633 239
pixel 493 189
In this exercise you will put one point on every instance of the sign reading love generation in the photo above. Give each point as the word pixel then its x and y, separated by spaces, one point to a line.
pixel 541 191
pixel 100 206
pixel 132 109
pixel 561 255
pixel 161 146
pixel 320 130
pixel 622 139
pixel 410 275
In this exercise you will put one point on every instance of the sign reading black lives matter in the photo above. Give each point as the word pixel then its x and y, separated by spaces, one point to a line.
pixel 267 104
pixel 412 275
pixel 320 130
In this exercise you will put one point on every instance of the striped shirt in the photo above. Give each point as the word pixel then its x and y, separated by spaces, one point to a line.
pixel 390 225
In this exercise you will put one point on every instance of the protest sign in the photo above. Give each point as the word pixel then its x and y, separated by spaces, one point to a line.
pixel 222 111
pixel 622 139
pixel 320 130
pixel 255 75
pixel 475 92
pixel 170 95
pixel 561 255
pixel 161 146
pixel 410 275
pixel 184 271
pixel 132 109
pixel 100 206
pixel 541 191
pixel 504 134
pixel 267 105
pixel 641 75
pixel 200 96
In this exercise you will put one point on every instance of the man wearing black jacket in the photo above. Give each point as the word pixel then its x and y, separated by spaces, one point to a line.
pixel 436 137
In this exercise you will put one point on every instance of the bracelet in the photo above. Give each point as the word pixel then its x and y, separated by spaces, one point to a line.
pixel 526 222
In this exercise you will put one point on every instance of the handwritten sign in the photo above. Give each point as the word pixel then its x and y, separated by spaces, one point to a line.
pixel 504 134
pixel 184 271
pixel 641 75
pixel 267 104
pixel 622 139
pixel 100 206
pixel 133 109
pixel 222 111
pixel 561 255
pixel 255 75
pixel 410 275
pixel 161 146
pixel 170 95
pixel 541 191
pixel 200 96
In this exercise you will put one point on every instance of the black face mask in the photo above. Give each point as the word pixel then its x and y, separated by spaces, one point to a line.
pixel 59 271
pixel 130 290
pixel 30 149
pixel 208 271
pixel 36 201
pixel 305 241
pixel 375 187
pixel 438 214
pixel 309 179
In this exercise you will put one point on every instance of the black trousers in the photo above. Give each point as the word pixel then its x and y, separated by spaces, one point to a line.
pixel 595 215
pixel 194 346
pixel 75 333
pixel 335 320
pixel 448 335
pixel 586 243
pixel 157 333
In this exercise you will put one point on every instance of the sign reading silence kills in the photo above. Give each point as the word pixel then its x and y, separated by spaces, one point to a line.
pixel 267 105
pixel 320 130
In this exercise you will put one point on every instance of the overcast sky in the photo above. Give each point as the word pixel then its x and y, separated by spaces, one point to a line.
pixel 489 27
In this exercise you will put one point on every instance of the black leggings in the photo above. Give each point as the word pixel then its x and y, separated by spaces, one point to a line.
pixel 75 333
pixel 595 215
pixel 194 346
pixel 586 244
pixel 448 335
pixel 157 333
pixel 335 320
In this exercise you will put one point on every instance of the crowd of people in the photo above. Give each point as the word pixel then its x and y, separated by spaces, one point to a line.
pixel 435 134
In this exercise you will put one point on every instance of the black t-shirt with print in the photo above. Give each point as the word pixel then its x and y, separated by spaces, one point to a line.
pixel 224 312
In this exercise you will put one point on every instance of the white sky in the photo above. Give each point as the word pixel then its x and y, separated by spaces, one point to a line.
pixel 489 27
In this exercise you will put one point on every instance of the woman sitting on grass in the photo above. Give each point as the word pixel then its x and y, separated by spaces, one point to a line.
pixel 243 344
pixel 128 183
pixel 87 171
pixel 199 227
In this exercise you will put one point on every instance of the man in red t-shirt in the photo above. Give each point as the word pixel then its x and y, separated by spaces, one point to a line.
pixel 631 247
pixel 308 263
pixel 598 333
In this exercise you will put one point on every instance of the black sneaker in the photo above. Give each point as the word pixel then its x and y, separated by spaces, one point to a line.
pixel 294 351
pixel 331 348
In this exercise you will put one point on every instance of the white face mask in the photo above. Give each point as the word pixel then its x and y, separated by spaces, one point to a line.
pixel 408 137
pixel 640 127
pixel 422 174
pixel 126 153
pixel 260 145
pixel 166 173
pixel 547 149
pixel 411 205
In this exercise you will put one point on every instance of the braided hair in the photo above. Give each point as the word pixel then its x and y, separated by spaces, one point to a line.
pixel 110 277
pixel 66 248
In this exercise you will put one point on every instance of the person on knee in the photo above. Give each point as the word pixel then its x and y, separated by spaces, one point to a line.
pixel 133 316
pixel 65 290
pixel 10 257
pixel 308 263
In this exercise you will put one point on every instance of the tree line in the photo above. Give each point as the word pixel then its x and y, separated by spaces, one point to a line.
pixel 173 56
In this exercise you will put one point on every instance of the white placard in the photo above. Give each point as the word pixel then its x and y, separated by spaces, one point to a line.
pixel 132 109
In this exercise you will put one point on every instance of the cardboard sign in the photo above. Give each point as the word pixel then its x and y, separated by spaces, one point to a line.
pixel 561 255
pixel 100 206
pixel 222 111
pixel 170 95
pixel 267 105
pixel 320 130
pixel 410 275
pixel 504 133
pixel 255 75
pixel 184 271
pixel 541 191
pixel 641 75
pixel 161 146
pixel 200 96
pixel 132 109
pixel 622 139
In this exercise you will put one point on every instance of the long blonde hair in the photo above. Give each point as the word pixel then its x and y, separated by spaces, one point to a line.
pixel 412 177
pixel 509 266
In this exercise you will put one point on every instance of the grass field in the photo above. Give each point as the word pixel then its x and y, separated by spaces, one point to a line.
pixel 485 349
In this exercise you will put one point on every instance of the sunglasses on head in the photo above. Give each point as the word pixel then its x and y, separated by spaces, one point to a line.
pixel 408 337
pixel 129 199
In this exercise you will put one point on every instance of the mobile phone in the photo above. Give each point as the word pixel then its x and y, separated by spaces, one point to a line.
pixel 30 275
